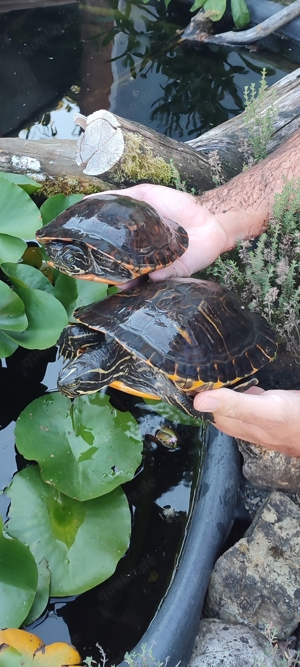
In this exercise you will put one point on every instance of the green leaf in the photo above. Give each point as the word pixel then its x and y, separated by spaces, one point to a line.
pixel 82 542
pixel 89 292
pixel 174 415
pixel 18 581
pixel 215 9
pixel 22 181
pixel 7 346
pixel 12 310
pixel 56 204
pixel 197 4
pixel 11 248
pixel 66 292
pixel 10 657
pixel 46 319
pixel 42 593
pixel 240 13
pixel 19 215
pixel 84 448
pixel 24 275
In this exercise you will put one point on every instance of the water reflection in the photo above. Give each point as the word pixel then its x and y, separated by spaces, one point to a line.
pixel 121 56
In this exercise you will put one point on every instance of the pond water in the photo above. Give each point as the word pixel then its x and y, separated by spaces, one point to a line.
pixel 124 57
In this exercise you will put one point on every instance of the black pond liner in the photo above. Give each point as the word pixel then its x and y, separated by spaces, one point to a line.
pixel 172 633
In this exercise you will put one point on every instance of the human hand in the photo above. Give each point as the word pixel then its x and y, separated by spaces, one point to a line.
pixel 267 418
pixel 207 238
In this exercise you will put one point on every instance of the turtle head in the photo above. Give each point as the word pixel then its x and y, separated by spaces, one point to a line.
pixel 75 260
pixel 85 374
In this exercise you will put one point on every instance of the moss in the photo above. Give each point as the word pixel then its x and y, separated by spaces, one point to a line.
pixel 140 164
pixel 68 185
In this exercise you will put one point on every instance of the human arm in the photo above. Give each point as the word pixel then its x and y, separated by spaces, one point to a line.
pixel 217 219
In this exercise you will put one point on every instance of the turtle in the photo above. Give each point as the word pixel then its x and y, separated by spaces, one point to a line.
pixel 164 340
pixel 111 238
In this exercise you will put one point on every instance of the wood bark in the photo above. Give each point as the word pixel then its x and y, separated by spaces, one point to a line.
pixel 12 5
pixel 193 33
pixel 54 162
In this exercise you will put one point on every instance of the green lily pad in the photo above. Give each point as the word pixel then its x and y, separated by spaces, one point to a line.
pixel 74 293
pixel 12 310
pixel 22 181
pixel 7 346
pixel 56 204
pixel 19 215
pixel 11 248
pixel 42 592
pixel 85 448
pixel 82 542
pixel 24 275
pixel 174 415
pixel 18 581
pixel 46 319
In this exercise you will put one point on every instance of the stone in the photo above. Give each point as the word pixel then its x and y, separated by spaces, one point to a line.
pixel 220 644
pixel 269 469
pixel 257 581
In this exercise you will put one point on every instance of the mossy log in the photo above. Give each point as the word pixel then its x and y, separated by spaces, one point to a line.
pixel 122 152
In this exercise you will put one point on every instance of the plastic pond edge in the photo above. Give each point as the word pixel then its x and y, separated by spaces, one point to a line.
pixel 171 634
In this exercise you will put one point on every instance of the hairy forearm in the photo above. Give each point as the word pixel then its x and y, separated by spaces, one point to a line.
pixel 243 206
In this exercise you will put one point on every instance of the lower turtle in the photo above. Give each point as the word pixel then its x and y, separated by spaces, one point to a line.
pixel 164 340
pixel 111 238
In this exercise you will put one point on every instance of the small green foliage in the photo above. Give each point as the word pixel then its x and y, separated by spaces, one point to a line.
pixel 215 10
pixel 259 120
pixel 266 273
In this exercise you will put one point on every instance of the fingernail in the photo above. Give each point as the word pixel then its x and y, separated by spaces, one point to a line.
pixel 207 404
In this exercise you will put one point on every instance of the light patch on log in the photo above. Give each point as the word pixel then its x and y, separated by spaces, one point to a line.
pixel 24 162
pixel 102 143
pixel 37 177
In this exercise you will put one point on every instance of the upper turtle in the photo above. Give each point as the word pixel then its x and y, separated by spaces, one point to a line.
pixel 111 238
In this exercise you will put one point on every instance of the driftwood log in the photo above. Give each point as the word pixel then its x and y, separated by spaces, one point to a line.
pixel 147 155
pixel 195 34
pixel 12 5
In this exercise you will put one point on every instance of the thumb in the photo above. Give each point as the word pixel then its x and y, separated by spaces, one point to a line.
pixel 225 403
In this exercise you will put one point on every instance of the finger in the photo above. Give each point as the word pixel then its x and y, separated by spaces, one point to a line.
pixel 249 408
pixel 175 270
pixel 255 390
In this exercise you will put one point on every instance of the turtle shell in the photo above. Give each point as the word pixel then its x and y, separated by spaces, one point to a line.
pixel 196 332
pixel 111 238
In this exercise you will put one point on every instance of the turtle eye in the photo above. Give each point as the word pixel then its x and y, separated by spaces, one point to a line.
pixel 69 257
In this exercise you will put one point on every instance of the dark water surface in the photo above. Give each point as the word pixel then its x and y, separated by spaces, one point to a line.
pixel 124 58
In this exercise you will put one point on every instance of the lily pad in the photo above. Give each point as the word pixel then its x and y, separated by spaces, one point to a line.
pixel 74 293
pixel 24 275
pixel 56 204
pixel 42 593
pixel 12 310
pixel 174 415
pixel 22 181
pixel 46 319
pixel 82 542
pixel 18 581
pixel 85 448
pixel 19 648
pixel 7 346
pixel 19 215
pixel 11 248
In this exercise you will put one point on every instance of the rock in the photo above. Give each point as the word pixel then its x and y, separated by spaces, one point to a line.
pixel 257 581
pixel 220 644
pixel 270 470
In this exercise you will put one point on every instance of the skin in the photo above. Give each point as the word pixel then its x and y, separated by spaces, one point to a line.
pixel 215 221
